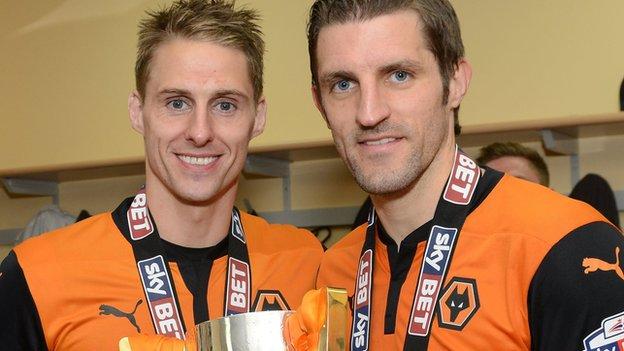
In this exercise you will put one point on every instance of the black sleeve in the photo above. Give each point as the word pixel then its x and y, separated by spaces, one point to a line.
pixel 20 324
pixel 576 298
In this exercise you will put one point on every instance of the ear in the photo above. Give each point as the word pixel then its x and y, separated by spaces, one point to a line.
pixel 316 96
pixel 260 119
pixel 135 110
pixel 458 86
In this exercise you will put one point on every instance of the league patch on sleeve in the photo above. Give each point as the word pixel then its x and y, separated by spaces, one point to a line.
pixel 610 336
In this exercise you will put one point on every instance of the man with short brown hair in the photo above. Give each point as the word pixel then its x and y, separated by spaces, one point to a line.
pixel 177 253
pixel 453 257
pixel 516 160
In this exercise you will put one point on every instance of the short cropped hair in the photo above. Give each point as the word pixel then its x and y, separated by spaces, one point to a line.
pixel 497 150
pixel 440 28
pixel 207 20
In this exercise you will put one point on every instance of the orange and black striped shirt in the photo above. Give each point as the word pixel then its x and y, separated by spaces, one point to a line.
pixel 531 270
pixel 78 288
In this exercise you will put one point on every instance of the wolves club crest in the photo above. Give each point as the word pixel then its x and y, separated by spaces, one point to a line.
pixel 458 304
pixel 269 300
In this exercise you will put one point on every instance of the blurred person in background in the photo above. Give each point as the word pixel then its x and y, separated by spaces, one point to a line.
pixel 516 160
pixel 596 191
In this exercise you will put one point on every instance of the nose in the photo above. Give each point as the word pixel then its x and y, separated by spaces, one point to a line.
pixel 373 108
pixel 200 129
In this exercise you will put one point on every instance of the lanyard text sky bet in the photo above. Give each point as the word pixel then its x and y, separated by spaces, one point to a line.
pixel 156 275
pixel 449 217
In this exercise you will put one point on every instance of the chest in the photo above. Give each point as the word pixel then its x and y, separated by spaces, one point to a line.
pixel 481 304
pixel 100 303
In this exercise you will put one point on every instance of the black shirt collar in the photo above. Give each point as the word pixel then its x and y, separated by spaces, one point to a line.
pixel 178 253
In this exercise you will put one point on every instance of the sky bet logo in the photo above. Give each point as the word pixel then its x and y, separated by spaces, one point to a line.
pixel 238 287
pixel 361 322
pixel 431 276
pixel 160 297
pixel 139 221
pixel 463 180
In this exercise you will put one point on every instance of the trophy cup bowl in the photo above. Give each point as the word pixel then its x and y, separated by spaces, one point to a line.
pixel 264 331
pixel 244 332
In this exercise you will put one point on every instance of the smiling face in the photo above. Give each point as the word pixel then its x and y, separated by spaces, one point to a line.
pixel 197 118
pixel 380 91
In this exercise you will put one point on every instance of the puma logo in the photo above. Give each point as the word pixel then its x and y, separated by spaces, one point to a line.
pixel 593 264
pixel 110 310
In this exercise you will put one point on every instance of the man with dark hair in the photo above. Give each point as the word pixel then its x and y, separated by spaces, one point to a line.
pixel 453 257
pixel 516 160
pixel 178 253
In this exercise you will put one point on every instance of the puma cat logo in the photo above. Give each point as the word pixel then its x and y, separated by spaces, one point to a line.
pixel 592 264
pixel 110 310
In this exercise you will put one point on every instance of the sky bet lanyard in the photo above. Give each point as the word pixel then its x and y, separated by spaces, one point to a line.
pixel 448 219
pixel 156 275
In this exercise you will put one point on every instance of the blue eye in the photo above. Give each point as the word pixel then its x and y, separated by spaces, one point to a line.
pixel 399 76
pixel 342 86
pixel 225 106
pixel 178 104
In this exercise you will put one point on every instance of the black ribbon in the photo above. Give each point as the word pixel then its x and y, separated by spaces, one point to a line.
pixel 452 209
pixel 156 278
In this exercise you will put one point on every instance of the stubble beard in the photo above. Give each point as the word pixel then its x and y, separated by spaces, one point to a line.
pixel 385 181
pixel 377 180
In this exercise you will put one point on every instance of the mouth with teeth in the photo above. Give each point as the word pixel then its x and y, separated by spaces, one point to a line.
pixel 379 141
pixel 197 161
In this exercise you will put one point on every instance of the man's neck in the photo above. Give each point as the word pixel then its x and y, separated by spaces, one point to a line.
pixel 189 224
pixel 403 212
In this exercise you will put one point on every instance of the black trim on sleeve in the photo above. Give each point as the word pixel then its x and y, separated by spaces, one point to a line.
pixel 576 287
pixel 21 326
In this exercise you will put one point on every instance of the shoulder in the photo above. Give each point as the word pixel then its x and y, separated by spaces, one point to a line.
pixel 593 247
pixel 531 210
pixel 340 261
pixel 577 287
pixel 77 241
pixel 21 324
pixel 350 244
pixel 278 237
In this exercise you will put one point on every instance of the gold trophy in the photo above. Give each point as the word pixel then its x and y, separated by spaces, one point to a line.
pixel 266 331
